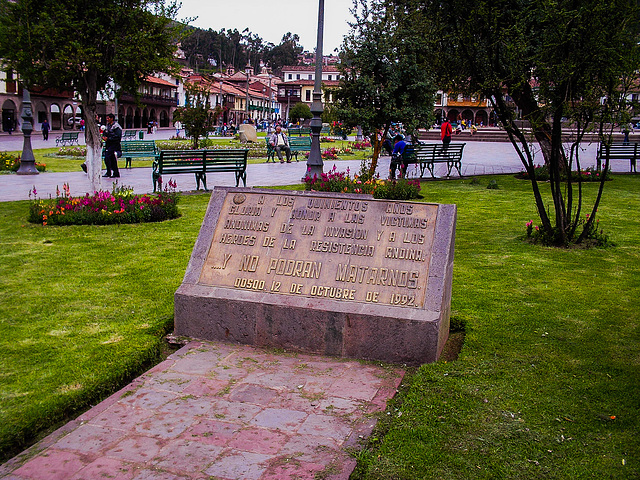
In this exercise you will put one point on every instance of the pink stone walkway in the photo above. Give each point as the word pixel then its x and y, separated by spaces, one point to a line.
pixel 229 412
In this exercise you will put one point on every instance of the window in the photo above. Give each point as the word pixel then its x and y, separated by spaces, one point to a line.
pixel 329 77
pixel 310 77
pixel 290 76
pixel 308 96
pixel 297 76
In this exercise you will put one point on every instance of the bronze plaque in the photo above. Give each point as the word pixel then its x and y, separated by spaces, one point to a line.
pixel 369 251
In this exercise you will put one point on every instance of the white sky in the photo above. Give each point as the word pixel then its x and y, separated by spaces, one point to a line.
pixel 270 20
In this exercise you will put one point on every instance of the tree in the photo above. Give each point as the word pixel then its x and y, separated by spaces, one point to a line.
pixel 91 46
pixel 284 54
pixel 561 63
pixel 197 117
pixel 384 79
pixel 300 111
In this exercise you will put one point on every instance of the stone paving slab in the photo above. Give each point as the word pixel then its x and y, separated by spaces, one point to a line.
pixel 231 412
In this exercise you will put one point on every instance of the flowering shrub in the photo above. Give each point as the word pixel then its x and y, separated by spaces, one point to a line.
pixel 327 139
pixel 401 189
pixel 589 174
pixel 594 234
pixel 360 145
pixel 73 151
pixel 330 154
pixel 120 205
pixel 11 163
pixel 335 181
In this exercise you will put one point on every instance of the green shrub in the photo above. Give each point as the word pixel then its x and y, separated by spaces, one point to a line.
pixel 589 174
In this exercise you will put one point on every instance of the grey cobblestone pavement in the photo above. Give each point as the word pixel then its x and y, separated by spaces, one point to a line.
pixel 479 158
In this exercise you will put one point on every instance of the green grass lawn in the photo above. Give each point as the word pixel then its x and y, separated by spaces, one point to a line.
pixel 56 163
pixel 547 383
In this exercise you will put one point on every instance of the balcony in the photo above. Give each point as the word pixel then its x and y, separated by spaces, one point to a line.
pixel 149 99
pixel 292 99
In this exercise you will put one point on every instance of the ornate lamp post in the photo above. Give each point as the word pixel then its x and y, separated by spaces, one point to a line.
pixel 27 161
pixel 314 163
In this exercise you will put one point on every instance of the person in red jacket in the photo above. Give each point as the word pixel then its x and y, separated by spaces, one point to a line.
pixel 445 133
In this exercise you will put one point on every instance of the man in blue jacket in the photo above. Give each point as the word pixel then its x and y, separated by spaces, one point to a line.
pixel 396 157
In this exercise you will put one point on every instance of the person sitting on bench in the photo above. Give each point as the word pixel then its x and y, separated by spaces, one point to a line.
pixel 396 157
pixel 279 142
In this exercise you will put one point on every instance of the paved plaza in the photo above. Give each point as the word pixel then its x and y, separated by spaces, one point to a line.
pixel 229 412
pixel 479 158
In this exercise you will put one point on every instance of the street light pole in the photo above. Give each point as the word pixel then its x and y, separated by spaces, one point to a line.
pixel 247 99
pixel 270 104
pixel 314 163
pixel 27 160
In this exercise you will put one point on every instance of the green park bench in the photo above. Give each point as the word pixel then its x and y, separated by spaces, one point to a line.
pixel 67 138
pixel 137 149
pixel 299 144
pixel 427 155
pixel 619 151
pixel 201 162
pixel 298 131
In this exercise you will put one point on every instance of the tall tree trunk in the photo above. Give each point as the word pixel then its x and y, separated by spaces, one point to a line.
pixel 93 161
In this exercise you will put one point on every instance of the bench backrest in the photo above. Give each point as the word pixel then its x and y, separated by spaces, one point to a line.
pixel 625 151
pixel 300 143
pixel 299 131
pixel 432 152
pixel 70 136
pixel 139 146
pixel 208 159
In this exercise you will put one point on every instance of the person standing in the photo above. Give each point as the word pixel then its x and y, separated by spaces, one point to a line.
pixel 112 136
pixel 445 133
pixel 45 129
pixel 279 142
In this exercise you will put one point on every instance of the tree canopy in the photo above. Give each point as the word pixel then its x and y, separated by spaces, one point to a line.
pixel 564 66
pixel 209 50
pixel 90 47
pixel 384 76
pixel 197 117
pixel 300 111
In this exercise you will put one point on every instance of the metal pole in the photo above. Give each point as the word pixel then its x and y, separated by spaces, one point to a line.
pixel 314 163
pixel 247 100
pixel 27 160
pixel 270 103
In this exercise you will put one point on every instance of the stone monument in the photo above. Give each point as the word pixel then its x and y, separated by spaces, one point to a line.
pixel 334 274
pixel 247 133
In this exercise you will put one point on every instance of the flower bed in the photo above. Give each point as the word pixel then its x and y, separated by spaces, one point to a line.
pixel 256 150
pixel 76 151
pixel 104 208
pixel 11 163
pixel 361 145
pixel 335 181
